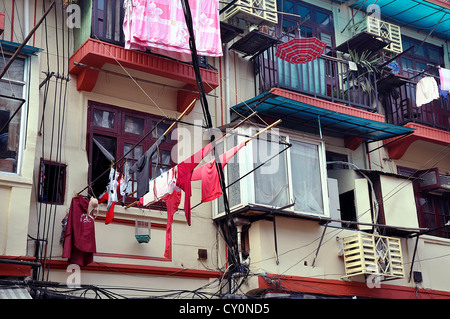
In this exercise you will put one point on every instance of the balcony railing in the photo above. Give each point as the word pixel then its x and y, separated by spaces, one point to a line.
pixel 107 24
pixel 326 78
pixel 401 107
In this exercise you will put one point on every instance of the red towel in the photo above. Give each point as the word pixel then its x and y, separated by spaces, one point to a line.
pixel 209 176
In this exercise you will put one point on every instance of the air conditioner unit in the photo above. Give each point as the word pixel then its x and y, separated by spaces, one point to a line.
pixel 384 30
pixel 254 11
pixel 433 182
pixel 369 254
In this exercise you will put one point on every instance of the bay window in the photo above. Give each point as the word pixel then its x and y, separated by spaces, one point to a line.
pixel 268 173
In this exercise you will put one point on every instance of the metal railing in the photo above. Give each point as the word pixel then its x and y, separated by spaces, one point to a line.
pixel 326 77
pixel 401 106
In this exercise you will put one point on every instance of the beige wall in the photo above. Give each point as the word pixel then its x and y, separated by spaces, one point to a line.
pixel 297 239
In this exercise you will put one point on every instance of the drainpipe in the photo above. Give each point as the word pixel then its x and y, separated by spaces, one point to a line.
pixel 227 83
pixel 239 222
pixel 26 16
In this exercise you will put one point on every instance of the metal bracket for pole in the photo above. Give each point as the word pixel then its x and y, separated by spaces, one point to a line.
pixel 275 238
pixel 320 244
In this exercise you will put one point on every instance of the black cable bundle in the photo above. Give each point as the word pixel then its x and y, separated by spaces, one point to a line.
pixel 228 228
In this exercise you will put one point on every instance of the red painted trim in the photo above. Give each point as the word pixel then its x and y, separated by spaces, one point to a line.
pixel 12 21
pixel 16 270
pixel 330 287
pixel 327 105
pixel 129 222
pixel 96 53
pixel 2 22
pixel 35 13
pixel 353 142
pixel 399 147
pixel 140 269
pixel 221 93
pixel 442 3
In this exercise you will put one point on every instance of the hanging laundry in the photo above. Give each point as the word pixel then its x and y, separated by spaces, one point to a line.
pixel 444 75
pixel 79 237
pixel 443 93
pixel 185 170
pixel 172 202
pixel 110 196
pixel 125 182
pixel 160 25
pixel 142 168
pixel 209 176
pixel 426 91
pixel 161 186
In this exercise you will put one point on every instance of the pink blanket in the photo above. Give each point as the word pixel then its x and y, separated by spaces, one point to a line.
pixel 160 25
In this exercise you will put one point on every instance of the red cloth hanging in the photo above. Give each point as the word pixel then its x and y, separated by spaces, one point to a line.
pixel 79 238
pixel 209 176
pixel 185 170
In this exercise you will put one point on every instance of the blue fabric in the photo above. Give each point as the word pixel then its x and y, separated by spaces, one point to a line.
pixel 420 15
pixel 299 116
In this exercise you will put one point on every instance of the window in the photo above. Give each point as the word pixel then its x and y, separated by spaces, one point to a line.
pixel 52 177
pixel 433 209
pixel 273 176
pixel 313 22
pixel 13 91
pixel 416 60
pixel 316 22
pixel 114 132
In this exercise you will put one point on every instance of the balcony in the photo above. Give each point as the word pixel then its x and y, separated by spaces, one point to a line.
pixel 401 107
pixel 325 78
pixel 101 41
pixel 430 121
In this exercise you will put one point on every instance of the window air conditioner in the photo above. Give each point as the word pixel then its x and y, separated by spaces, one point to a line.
pixel 368 254
pixel 254 11
pixel 433 182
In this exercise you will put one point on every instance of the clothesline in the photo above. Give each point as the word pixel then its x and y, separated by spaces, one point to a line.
pixel 240 123
pixel 144 137
pixel 251 171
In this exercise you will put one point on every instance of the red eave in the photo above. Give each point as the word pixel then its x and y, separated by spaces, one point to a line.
pixel 350 142
pixel 95 54
pixel 331 106
pixel 332 287
pixel 397 148
pixel 442 3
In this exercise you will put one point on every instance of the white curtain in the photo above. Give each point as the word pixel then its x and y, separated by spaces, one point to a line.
pixel 306 180
pixel 271 182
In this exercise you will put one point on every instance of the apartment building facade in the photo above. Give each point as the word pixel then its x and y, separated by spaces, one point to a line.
pixel 346 197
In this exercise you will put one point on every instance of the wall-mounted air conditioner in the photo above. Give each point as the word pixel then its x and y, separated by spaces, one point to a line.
pixel 382 29
pixel 433 182
pixel 254 11
pixel 368 254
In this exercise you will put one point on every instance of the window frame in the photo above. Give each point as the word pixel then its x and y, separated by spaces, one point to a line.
pixel 420 195
pixel 25 83
pixel 57 201
pixel 416 59
pixel 122 137
pixel 247 184
pixel 316 28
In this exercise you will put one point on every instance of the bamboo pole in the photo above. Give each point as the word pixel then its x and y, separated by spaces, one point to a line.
pixel 260 132
pixel 165 133
pixel 179 118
